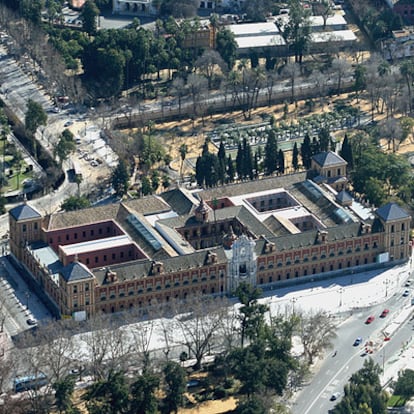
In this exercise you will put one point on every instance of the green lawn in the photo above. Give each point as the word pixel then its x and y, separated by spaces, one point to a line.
pixel 396 401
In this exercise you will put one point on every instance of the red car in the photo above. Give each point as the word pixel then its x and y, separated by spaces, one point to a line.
pixel 384 313
pixel 370 319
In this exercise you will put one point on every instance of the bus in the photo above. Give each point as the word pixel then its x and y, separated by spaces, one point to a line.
pixel 31 382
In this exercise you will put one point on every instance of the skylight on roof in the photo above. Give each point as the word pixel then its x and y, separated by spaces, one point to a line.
pixel 145 231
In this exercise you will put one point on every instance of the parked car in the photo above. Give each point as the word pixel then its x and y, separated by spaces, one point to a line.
pixel 68 123
pixel 406 293
pixel 335 396
pixel 31 322
pixel 358 341
pixel 193 383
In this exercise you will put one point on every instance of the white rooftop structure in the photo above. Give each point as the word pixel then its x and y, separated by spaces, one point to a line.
pixel 334 20
pixel 333 36
pixel 260 41
pixel 257 29
pixel 100 244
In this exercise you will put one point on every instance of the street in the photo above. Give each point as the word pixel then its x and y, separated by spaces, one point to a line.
pixel 334 372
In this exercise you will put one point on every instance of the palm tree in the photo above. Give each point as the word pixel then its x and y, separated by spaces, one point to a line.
pixel 407 71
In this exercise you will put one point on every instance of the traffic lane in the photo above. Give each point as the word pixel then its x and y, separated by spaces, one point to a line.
pixel 335 371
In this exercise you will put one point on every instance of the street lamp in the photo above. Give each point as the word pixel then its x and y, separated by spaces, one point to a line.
pixel 386 283
pixel 341 290
pixel 293 305
pixel 27 294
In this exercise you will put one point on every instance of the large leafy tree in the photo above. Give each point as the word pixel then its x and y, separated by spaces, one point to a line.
pixel 257 10
pixel 363 393
pixel 75 203
pixel 63 394
pixel 297 31
pixel 252 313
pixel 120 178
pixel 226 45
pixel 35 116
pixel 89 15
pixel 175 385
pixel 109 396
pixel 404 385
pixel 65 145
pixel 143 398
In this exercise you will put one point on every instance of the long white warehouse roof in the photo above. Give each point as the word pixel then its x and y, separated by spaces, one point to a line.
pixel 258 29
pixel 92 245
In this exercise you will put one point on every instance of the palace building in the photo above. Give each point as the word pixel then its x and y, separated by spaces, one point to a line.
pixel 140 252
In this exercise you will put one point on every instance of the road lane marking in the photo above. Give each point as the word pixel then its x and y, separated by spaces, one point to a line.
pixel 344 367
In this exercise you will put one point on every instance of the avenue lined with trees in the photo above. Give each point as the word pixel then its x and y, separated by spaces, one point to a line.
pixel 252 358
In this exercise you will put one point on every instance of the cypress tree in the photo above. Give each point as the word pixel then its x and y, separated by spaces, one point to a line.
pixel 230 169
pixel 281 162
pixel 239 161
pixel 346 152
pixel 306 151
pixel 270 156
pixel 295 157
pixel 324 139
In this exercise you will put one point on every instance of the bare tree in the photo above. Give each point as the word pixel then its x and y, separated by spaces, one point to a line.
pixel 178 90
pixel 292 71
pixel 97 346
pixel 57 342
pixel 272 78
pixel 339 68
pixel 229 329
pixel 319 80
pixel 316 331
pixel 143 333
pixel 391 130
pixel 196 85
pixel 33 361
pixel 209 64
pixel 199 326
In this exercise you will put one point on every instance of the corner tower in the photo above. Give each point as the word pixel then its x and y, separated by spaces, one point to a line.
pixel 396 224
pixel 25 227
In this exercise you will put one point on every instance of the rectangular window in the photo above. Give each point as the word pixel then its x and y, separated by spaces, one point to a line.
pixel 35 226
pixel 84 234
pixel 108 229
pixel 122 255
pixel 87 261
pixel 96 259
pixel 113 256
pixel 24 227
pixel 92 232
pixel 75 289
pixel 104 257
pixel 100 231
pixel 67 237
pixel 50 241
pixel 75 236
pixel 86 287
